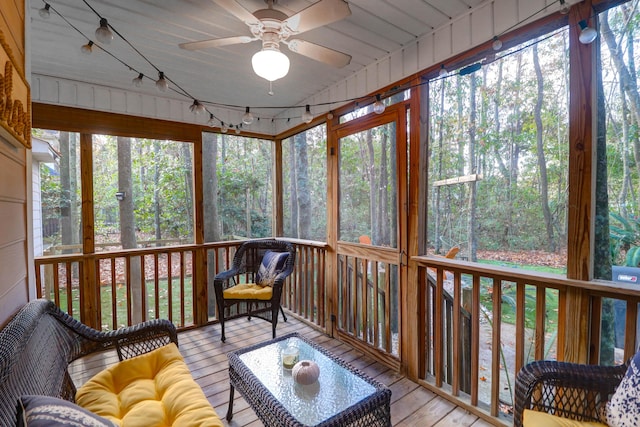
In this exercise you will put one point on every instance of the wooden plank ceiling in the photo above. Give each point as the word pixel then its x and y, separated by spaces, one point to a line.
pixel 220 75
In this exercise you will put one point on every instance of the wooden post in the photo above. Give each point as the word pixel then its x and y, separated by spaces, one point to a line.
pixel 413 310
pixel 90 313
pixel 581 205
pixel 199 256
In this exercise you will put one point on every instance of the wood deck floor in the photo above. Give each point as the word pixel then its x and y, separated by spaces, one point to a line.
pixel 206 355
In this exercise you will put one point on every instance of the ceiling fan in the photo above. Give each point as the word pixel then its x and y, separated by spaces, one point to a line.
pixel 273 27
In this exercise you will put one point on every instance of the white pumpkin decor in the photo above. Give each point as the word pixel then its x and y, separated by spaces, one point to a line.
pixel 305 372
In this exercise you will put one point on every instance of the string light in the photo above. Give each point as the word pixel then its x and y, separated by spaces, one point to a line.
pixel 212 120
pixel 564 7
pixel 247 118
pixel 103 33
pixel 161 83
pixel 587 34
pixel 443 71
pixel 44 12
pixel 87 48
pixel 196 107
pixel 223 127
pixel 137 82
pixel 237 130
pixel 497 43
pixel 307 117
pixel 378 106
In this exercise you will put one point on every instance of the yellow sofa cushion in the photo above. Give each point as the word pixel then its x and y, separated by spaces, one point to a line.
pixel 532 418
pixel 248 291
pixel 153 389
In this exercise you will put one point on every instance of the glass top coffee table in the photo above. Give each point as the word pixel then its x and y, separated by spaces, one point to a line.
pixel 342 396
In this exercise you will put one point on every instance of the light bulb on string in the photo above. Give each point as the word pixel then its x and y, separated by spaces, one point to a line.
pixel 587 34
pixel 87 48
pixel 330 115
pixel 161 83
pixel 237 129
pixel 497 43
pixel 443 71
pixel 564 7
pixel 307 117
pixel 137 82
pixel 247 118
pixel 44 12
pixel 196 107
pixel 223 127
pixel 212 120
pixel 378 106
pixel 103 33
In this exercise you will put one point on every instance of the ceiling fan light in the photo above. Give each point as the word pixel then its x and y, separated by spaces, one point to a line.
pixel 270 64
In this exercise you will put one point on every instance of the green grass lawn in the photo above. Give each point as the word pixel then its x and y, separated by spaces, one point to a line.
pixel 121 303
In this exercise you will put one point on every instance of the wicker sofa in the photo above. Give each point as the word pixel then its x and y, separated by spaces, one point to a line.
pixel 40 341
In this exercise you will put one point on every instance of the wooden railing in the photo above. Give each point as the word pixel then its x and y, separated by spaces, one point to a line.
pixel 368 315
pixel 516 317
pixel 141 284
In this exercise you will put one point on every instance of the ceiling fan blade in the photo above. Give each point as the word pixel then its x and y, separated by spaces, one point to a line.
pixel 203 44
pixel 237 10
pixel 318 14
pixel 319 53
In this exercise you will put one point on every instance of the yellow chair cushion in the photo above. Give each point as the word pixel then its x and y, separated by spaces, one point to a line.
pixel 153 389
pixel 532 418
pixel 248 291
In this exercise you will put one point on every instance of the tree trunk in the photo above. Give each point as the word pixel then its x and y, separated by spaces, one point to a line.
pixel 210 207
pixel 302 184
pixel 602 268
pixel 188 184
pixel 473 245
pixel 436 209
pixel 128 228
pixel 293 190
pixel 383 197
pixel 65 191
pixel 542 163
pixel 627 81
pixel 376 227
pixel 156 190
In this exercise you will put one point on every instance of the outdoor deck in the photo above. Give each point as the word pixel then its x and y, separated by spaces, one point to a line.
pixel 206 355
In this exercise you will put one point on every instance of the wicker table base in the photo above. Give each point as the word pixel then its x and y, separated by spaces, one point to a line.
pixel 342 396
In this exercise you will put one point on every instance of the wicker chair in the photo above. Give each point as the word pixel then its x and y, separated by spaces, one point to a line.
pixel 569 390
pixel 244 270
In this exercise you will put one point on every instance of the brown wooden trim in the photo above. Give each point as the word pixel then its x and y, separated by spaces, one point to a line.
pixel 72 119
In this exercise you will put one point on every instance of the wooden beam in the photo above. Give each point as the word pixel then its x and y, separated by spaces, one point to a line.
pixel 459 180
